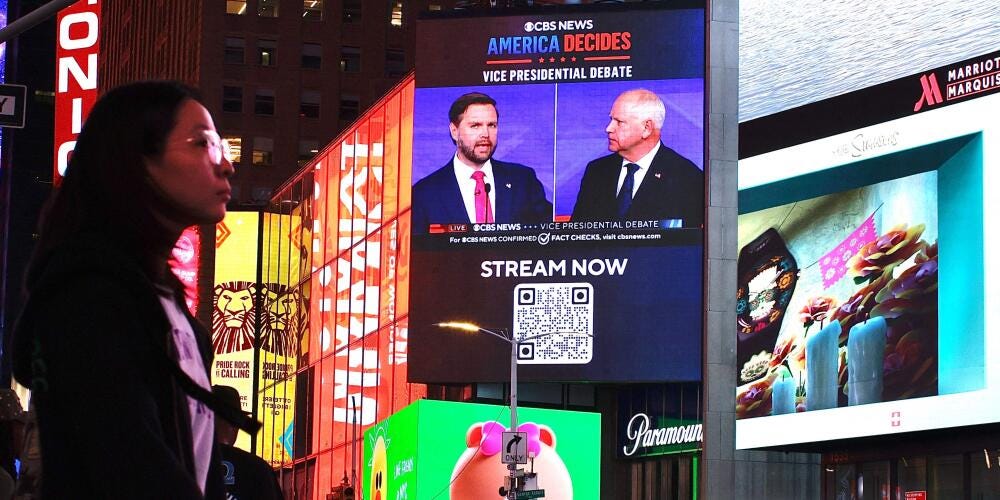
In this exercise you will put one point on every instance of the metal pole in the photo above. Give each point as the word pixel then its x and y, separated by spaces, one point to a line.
pixel 27 21
pixel 512 494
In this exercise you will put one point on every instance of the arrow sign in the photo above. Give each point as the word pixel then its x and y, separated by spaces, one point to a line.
pixel 515 447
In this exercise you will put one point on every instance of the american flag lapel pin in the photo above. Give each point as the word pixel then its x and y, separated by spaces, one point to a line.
pixel 508 185
pixel 657 175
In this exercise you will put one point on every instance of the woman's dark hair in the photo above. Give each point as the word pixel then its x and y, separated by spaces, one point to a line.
pixel 107 187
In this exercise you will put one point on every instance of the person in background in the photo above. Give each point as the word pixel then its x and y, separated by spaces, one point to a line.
pixel 246 476
pixel 117 366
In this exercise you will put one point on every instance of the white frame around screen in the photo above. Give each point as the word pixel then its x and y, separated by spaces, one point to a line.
pixel 893 417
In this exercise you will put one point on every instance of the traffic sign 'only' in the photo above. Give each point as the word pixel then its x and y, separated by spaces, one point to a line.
pixel 515 447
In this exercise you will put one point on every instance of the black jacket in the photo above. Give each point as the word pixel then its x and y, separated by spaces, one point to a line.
pixel 95 346
pixel 674 188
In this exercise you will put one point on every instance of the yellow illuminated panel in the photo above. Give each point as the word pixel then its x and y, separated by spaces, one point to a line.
pixel 234 306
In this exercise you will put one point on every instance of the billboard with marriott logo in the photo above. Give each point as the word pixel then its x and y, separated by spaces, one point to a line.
pixel 863 280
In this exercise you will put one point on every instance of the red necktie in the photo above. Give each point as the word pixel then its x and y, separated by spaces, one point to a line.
pixel 484 213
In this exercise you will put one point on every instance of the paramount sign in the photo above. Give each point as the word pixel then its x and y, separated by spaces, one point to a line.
pixel 644 440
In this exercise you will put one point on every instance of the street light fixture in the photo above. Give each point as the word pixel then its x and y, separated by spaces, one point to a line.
pixel 508 338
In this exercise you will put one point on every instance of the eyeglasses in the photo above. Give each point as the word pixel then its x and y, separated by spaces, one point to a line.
pixel 218 148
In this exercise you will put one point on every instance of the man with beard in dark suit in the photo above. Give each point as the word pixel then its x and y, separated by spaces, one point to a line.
pixel 641 179
pixel 473 187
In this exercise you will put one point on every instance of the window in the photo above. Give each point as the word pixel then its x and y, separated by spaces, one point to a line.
pixel 312 55
pixel 352 11
pixel 307 149
pixel 434 7
pixel 267 8
pixel 234 50
pixel 263 102
pixel 260 195
pixel 232 99
pixel 235 148
pixel 396 15
pixel 266 52
pixel 395 62
pixel 312 10
pixel 263 151
pixel 350 107
pixel 350 59
pixel 238 7
pixel 309 104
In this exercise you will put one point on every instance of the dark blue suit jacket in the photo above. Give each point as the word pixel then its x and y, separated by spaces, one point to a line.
pixel 520 197
pixel 673 188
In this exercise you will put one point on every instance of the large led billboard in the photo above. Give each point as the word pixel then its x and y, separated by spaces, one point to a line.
pixel 442 449
pixel 864 288
pixel 558 194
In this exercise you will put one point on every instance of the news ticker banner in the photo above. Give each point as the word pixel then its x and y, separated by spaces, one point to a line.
pixel 602 299
pixel 444 449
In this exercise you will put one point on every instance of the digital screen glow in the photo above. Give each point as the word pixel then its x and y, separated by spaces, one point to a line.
pixel 441 449
pixel 592 285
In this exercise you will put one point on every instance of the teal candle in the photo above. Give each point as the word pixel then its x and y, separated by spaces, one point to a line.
pixel 865 358
pixel 783 393
pixel 821 368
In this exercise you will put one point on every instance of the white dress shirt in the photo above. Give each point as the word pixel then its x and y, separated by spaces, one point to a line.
pixel 467 185
pixel 640 174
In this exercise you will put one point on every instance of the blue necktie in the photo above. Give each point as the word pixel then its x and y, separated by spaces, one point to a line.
pixel 625 194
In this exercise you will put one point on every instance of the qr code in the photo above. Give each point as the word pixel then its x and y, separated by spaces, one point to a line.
pixel 554 323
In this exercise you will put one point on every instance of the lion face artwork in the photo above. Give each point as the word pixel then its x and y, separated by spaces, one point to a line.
pixel 283 320
pixel 233 316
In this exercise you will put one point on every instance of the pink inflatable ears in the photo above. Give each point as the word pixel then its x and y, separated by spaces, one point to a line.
pixel 488 436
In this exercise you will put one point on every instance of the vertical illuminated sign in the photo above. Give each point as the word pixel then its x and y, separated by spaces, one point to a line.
pixel 234 310
pixel 77 44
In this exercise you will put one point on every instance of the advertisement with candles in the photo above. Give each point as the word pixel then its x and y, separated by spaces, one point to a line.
pixel 863 284
pixel 558 185
pixel 443 449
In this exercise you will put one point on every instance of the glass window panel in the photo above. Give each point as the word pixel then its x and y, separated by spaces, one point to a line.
pixel 232 99
pixel 350 107
pixel 312 55
pixel 350 59
pixel 234 50
pixel 235 147
pixel 307 150
pixel 312 10
pixel 395 62
pixel 396 15
pixel 267 52
pixel 267 8
pixel 263 150
pixel 309 104
pixel 263 103
pixel 237 7
pixel 873 481
pixel 945 477
pixel 352 11
pixel 985 474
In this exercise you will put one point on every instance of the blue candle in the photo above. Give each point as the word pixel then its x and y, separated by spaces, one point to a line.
pixel 865 358
pixel 783 393
pixel 821 368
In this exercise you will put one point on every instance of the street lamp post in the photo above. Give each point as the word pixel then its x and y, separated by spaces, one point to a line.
pixel 509 338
